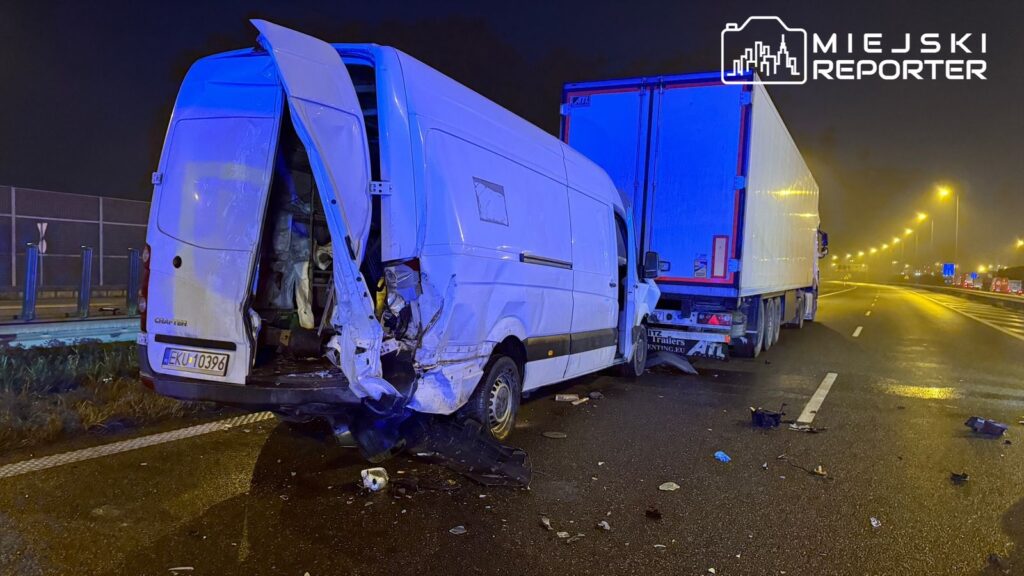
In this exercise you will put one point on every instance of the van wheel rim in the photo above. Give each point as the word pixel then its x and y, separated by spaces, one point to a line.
pixel 640 353
pixel 500 406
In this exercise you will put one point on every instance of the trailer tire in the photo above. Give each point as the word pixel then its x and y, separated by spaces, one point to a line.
pixel 636 365
pixel 495 402
pixel 777 329
pixel 753 340
pixel 771 316
pixel 801 306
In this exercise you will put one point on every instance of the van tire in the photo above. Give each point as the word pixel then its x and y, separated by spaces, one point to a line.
pixel 636 365
pixel 495 402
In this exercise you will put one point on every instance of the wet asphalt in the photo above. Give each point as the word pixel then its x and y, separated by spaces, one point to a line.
pixel 261 500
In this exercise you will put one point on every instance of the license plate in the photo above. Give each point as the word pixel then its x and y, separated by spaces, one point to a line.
pixel 195 361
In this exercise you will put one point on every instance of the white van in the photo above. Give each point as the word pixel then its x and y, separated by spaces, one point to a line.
pixel 342 232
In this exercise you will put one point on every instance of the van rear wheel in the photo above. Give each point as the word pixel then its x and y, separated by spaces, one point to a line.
pixel 495 402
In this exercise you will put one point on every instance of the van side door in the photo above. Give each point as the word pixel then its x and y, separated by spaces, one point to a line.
pixel 593 329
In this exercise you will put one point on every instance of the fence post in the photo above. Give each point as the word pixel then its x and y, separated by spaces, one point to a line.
pixel 31 285
pixel 85 284
pixel 132 296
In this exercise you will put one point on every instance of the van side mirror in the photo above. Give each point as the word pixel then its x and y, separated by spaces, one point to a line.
pixel 653 266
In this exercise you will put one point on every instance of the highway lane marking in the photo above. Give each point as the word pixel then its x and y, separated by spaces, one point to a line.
pixel 960 308
pixel 807 416
pixel 856 333
pixel 868 313
pixel 839 292
pixel 46 462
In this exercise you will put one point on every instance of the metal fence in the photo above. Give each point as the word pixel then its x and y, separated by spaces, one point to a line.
pixel 60 224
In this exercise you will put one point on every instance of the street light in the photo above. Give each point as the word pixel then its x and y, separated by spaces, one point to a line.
pixel 907 231
pixel 945 192
pixel 921 217
pixel 1020 243
pixel 873 250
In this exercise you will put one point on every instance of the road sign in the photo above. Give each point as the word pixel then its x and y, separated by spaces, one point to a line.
pixel 948 270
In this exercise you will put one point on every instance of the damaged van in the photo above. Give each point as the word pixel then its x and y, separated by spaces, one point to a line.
pixel 341 232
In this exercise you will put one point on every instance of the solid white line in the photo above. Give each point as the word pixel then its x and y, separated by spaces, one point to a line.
pixel 868 313
pixel 971 316
pixel 807 416
pixel 834 293
pixel 36 464
pixel 856 333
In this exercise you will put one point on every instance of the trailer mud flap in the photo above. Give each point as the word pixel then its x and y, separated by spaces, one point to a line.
pixel 691 344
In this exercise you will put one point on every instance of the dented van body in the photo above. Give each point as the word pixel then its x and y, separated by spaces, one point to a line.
pixel 341 230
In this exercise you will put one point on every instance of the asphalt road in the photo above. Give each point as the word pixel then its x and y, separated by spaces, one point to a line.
pixel 57 308
pixel 256 499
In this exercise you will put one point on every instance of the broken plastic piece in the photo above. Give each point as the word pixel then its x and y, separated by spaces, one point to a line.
pixel 876 523
pixel 546 523
pixel 566 397
pixel 761 418
pixel 555 435
pixel 604 525
pixel 677 361
pixel 374 479
pixel 463 447
pixel 985 426
pixel 669 487
pixel 458 530
pixel 722 457
pixel 580 401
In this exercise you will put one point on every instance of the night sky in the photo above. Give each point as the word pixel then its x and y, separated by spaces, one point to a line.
pixel 86 89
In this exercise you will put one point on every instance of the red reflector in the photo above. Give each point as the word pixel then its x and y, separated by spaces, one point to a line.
pixel 714 321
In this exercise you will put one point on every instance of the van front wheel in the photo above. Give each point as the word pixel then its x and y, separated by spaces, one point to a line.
pixel 495 402
pixel 636 365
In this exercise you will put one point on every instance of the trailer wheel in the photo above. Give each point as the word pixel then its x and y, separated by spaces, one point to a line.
pixel 801 306
pixel 495 402
pixel 771 320
pixel 638 363
pixel 753 340
pixel 777 329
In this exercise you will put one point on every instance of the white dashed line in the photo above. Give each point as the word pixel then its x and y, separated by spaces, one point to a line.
pixel 834 293
pixel 37 464
pixel 856 333
pixel 807 416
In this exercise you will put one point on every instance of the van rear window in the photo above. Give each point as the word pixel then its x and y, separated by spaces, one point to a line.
pixel 215 181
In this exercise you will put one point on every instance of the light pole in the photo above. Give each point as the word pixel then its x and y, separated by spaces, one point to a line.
pixel 943 193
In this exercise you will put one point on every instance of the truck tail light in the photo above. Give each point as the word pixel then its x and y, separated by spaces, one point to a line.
pixel 714 319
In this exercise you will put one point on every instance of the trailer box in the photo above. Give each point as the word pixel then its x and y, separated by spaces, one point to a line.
pixel 720 192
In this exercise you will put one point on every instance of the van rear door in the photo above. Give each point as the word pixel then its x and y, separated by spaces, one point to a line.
pixel 210 194
pixel 328 120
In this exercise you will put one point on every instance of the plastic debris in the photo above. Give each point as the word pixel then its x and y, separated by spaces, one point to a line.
pixel 181 569
pixel 458 530
pixel 659 546
pixel 580 401
pixel 555 435
pixel 669 487
pixel 959 478
pixel 677 361
pixel 722 457
pixel 712 571
pixel 572 539
pixel 652 513
pixel 764 466
pixel 797 427
pixel 604 525
pixel 595 395
pixel 374 479
pixel 876 523
pixel 566 397
pixel 761 418
pixel 820 471
pixel 562 534
pixel 546 523
pixel 985 426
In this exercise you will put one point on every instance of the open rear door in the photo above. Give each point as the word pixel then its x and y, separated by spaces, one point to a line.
pixel 329 121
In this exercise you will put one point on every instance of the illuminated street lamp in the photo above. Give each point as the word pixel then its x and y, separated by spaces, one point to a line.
pixel 1020 243
pixel 885 246
pixel 921 217
pixel 873 249
pixel 945 192
pixel 860 253
pixel 907 231
pixel 895 239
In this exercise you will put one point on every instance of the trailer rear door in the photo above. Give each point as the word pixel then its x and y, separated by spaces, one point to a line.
pixel 697 179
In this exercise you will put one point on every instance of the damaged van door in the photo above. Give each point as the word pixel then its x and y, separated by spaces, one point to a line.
pixel 329 122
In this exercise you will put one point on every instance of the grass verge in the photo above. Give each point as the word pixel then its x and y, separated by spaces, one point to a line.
pixel 47 393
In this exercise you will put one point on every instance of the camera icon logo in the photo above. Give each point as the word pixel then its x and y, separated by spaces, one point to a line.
pixel 764 51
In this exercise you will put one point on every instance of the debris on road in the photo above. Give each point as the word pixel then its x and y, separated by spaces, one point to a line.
pixel 374 479
pixel 985 426
pixel 579 401
pixel 181 569
pixel 876 523
pixel 672 359
pixel 566 397
pixel 546 523
pixel 761 418
pixel 562 534
pixel 669 487
pixel 604 525
pixel 798 427
pixel 458 530
pixel 722 457
pixel 764 466
pixel 652 513
pixel 595 395
pixel 571 539
pixel 555 435
pixel 659 546
pixel 820 471
pixel 959 478
pixel 462 447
